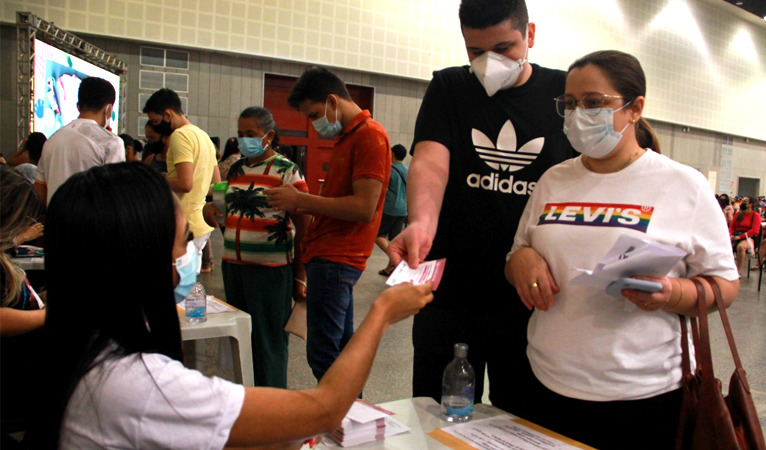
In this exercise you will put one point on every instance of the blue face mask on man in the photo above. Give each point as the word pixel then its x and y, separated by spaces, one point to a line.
pixel 252 147
pixel 186 267
pixel 325 128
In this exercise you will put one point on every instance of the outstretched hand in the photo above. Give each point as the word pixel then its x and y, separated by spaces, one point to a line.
pixel 403 300
pixel 411 245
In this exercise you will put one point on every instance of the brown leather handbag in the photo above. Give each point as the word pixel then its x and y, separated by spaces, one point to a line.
pixel 708 419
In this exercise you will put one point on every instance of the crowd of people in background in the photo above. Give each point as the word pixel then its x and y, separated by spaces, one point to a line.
pixel 731 205
pixel 264 269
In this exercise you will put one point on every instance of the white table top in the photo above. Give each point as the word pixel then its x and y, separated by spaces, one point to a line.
pixel 423 415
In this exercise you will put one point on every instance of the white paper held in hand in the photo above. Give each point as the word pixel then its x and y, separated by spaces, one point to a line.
pixel 629 256
pixel 428 271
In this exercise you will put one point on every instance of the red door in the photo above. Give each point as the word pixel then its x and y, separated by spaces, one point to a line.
pixel 312 152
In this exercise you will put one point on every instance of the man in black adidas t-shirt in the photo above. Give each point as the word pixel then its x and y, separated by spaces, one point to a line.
pixel 483 137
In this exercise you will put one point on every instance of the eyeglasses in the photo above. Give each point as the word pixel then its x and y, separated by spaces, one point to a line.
pixel 591 103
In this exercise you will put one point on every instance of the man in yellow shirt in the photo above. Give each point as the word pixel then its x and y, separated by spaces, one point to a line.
pixel 192 166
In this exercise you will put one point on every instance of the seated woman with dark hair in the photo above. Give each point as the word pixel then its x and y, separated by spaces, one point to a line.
pixel 21 309
pixel 745 230
pixel 115 344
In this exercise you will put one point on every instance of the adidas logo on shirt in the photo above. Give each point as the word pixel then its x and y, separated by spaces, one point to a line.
pixel 493 182
pixel 504 157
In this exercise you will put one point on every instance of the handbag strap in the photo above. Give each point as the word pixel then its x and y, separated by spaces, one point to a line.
pixel 688 325
pixel 725 319
pixel 686 367
pixel 695 330
pixel 702 345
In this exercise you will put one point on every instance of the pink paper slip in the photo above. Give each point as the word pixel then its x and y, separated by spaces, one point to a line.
pixel 428 271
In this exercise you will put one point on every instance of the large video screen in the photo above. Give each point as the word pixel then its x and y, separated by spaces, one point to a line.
pixel 58 75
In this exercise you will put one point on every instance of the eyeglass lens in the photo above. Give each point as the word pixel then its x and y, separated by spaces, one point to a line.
pixel 591 102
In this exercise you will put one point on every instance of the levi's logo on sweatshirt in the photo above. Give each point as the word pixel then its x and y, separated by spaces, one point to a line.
pixel 635 217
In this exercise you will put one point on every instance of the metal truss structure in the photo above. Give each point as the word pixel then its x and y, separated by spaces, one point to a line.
pixel 30 27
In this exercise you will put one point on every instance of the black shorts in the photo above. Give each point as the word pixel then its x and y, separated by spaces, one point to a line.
pixel 391 226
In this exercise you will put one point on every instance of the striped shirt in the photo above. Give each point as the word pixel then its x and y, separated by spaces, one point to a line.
pixel 255 232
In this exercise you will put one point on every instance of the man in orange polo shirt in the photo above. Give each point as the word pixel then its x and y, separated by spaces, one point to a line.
pixel 346 212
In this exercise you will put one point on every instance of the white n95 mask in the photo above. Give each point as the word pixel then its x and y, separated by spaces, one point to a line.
pixel 496 72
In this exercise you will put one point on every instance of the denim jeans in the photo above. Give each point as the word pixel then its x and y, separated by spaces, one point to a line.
pixel 329 311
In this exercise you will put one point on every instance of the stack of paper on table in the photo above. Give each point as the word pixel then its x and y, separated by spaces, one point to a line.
pixel 350 433
pixel 364 423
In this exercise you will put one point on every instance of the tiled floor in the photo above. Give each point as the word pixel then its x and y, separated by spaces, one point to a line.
pixel 390 377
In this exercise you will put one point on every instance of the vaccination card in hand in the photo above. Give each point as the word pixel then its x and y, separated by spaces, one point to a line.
pixel 428 271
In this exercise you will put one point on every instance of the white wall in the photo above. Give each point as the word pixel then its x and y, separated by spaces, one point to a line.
pixel 705 59
pixel 703 149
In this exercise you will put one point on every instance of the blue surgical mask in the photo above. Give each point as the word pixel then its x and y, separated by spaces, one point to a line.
pixel 252 147
pixel 325 128
pixel 186 267
pixel 593 135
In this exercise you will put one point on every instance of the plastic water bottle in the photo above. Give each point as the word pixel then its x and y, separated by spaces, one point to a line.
pixel 196 304
pixel 458 387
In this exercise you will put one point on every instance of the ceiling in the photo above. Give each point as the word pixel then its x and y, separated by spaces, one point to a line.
pixel 757 7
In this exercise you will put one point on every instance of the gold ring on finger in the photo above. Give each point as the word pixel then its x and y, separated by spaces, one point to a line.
pixel 534 285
